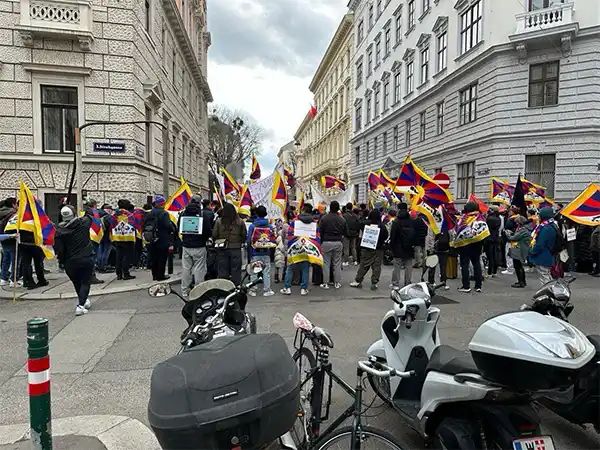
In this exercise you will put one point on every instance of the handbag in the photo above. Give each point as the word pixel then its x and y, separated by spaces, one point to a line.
pixel 223 243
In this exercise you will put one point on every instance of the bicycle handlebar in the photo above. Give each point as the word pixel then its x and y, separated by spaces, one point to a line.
pixel 367 366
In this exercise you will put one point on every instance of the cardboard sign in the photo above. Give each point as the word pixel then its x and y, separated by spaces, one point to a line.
pixel 571 234
pixel 370 237
pixel 190 225
pixel 305 229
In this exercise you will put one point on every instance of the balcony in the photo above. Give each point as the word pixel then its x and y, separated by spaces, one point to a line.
pixel 537 28
pixel 60 19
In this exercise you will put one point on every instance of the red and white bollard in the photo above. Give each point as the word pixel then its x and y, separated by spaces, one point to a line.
pixel 38 368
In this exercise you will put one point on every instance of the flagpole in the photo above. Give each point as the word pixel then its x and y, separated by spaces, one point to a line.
pixel 15 266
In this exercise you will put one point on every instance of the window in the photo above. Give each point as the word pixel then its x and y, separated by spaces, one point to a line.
pixel 59 118
pixel 468 104
pixel 357 155
pixel 386 95
pixel 541 170
pixel 442 51
pixel 398 30
pixel 542 4
pixel 379 8
pixel 360 32
pixel 440 118
pixel 356 192
pixel 426 6
pixel 407 132
pixel 388 42
pixel 422 126
pixel 395 144
pixel 359 74
pixel 543 84
pixel 376 93
pixel 375 148
pixel 385 142
pixel 370 16
pixel 368 110
pixel 410 76
pixel 358 118
pixel 148 133
pixel 465 179
pixel 174 160
pixel 411 14
pixel 183 85
pixel 424 65
pixel 147 15
pixel 397 87
pixel 368 154
pixel 174 68
pixel 369 60
pixel 377 52
pixel 470 27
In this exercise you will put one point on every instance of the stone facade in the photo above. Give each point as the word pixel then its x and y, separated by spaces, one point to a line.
pixel 471 110
pixel 324 139
pixel 118 56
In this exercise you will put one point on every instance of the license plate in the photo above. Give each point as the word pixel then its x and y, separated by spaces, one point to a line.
pixel 534 443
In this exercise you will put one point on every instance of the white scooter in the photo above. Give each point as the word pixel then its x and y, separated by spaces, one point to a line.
pixel 458 400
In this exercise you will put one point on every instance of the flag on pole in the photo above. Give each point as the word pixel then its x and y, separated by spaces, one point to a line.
pixel 279 193
pixel 255 171
pixel 96 228
pixel 290 180
pixel 501 191
pixel 245 199
pixel 32 217
pixel 374 181
pixel 230 186
pixel 329 182
pixel 312 112
pixel 518 198
pixel 585 209
pixel 427 190
pixel 218 196
pixel 180 199
pixel 480 203
pixel 386 180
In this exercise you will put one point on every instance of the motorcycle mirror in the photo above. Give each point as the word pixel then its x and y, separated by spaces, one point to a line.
pixel 255 267
pixel 159 290
pixel 432 261
pixel 395 297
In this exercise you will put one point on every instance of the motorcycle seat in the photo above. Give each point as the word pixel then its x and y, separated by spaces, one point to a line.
pixel 449 360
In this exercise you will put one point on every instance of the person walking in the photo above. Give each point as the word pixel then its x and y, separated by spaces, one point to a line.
pixel 193 257
pixel 372 258
pixel 9 245
pixel 492 242
pixel 595 248
pixel 520 240
pixel 421 230
pixel 543 239
pixel 402 243
pixel 74 250
pixel 162 232
pixel 471 230
pixel 333 229
pixel 229 234
pixel 261 239
pixel 350 244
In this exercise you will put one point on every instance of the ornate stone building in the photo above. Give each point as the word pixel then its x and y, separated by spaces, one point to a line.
pixel 68 62
pixel 324 147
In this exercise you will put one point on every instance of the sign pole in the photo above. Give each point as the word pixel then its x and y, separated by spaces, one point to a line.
pixel 15 264
pixel 78 170
pixel 38 369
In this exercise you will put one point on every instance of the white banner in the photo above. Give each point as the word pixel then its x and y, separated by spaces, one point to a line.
pixel 370 237
pixel 342 197
pixel 262 192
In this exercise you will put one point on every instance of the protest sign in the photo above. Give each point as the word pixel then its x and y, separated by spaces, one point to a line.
pixel 305 229
pixel 370 237
pixel 261 193
pixel 190 225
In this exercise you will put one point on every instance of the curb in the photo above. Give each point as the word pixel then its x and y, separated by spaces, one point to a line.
pixel 114 432
pixel 8 295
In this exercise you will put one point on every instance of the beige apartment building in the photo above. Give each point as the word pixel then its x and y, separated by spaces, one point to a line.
pixel 323 141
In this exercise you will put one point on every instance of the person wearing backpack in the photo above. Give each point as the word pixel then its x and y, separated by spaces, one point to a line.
pixel 402 243
pixel 229 234
pixel 261 239
pixel 545 245
pixel 160 232
pixel 350 245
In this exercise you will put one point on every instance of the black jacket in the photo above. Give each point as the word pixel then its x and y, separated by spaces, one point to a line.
pixel 402 236
pixel 421 230
pixel 383 236
pixel 494 223
pixel 197 240
pixel 353 224
pixel 333 228
pixel 5 214
pixel 165 228
pixel 72 240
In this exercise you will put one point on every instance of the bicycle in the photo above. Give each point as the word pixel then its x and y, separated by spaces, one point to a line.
pixel 312 389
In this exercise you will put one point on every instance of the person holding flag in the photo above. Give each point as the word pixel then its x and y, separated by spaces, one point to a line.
pixel 160 233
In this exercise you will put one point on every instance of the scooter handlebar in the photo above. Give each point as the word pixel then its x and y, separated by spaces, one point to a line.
pixel 385 371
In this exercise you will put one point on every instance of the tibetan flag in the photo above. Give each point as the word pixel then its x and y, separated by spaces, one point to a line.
pixel 434 216
pixel 501 191
pixel 32 217
pixel 449 220
pixel 421 186
pixel 585 209
pixel 290 180
pixel 245 198
pixel 386 180
pixel 137 218
pixel 180 199
pixel 96 228
pixel 374 181
pixel 255 171
pixel 331 182
pixel 534 193
pixel 230 186
pixel 483 208
pixel 279 192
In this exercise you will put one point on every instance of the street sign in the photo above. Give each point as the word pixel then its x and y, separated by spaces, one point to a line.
pixel 442 179
pixel 109 147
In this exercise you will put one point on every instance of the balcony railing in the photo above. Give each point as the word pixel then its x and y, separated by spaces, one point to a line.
pixel 543 19
pixel 63 19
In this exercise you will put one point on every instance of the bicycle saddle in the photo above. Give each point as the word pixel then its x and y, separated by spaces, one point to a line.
pixel 322 336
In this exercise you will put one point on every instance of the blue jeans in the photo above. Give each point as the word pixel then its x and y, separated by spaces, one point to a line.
pixel 8 262
pixel 289 274
pixel 266 260
pixel 103 253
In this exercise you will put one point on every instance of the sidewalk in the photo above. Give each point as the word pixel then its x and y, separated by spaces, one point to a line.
pixel 61 287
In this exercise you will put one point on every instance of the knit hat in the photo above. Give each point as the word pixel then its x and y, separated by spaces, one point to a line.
pixel 67 213
pixel 546 213
pixel 196 198
pixel 159 200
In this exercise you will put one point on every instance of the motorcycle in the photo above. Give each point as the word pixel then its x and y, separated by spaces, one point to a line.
pixel 579 403
pixel 470 401
pixel 215 308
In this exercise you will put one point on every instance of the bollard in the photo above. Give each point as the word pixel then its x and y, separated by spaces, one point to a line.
pixel 38 368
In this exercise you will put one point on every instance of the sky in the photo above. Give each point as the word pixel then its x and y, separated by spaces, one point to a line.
pixel 262 59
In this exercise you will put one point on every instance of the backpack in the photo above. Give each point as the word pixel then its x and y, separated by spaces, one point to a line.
pixel 559 241
pixel 263 238
pixel 150 233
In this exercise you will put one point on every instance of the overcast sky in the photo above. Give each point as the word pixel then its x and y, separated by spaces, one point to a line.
pixel 262 59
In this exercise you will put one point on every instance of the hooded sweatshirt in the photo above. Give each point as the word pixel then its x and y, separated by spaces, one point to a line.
pixel 72 240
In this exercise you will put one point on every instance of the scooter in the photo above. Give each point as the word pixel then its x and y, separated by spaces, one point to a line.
pixel 579 403
pixel 215 308
pixel 479 400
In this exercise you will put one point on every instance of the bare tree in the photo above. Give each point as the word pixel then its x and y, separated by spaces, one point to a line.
pixel 233 137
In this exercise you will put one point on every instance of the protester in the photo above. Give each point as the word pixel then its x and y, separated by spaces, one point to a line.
pixel 520 240
pixel 402 243
pixel 492 242
pixel 302 252
pixel 261 239
pixel 510 226
pixel 595 248
pixel 372 258
pixel 160 232
pixel 350 241
pixel 333 229
pixel 471 230
pixel 74 250
pixel 441 247
pixel 30 253
pixel 90 207
pixel 193 257
pixel 122 235
pixel 421 230
pixel 543 239
pixel 281 249
pixel 8 209
pixel 105 247
pixel 229 233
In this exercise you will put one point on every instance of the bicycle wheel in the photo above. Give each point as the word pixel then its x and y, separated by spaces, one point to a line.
pixel 370 439
pixel 381 386
pixel 306 361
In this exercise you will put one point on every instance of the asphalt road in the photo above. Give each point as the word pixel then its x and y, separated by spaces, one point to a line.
pixel 101 363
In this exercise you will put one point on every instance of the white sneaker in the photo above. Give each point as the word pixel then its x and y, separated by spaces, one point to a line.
pixel 252 293
pixel 506 272
pixel 87 304
pixel 337 285
pixel 80 311
pixel 19 284
pixel 286 291
pixel 356 263
pixel 268 293
pixel 446 287
pixel 303 291
pixel 3 282
pixel 345 264
pixel 355 284
pixel 324 286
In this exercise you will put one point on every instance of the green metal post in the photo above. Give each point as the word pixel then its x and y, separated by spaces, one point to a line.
pixel 38 368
